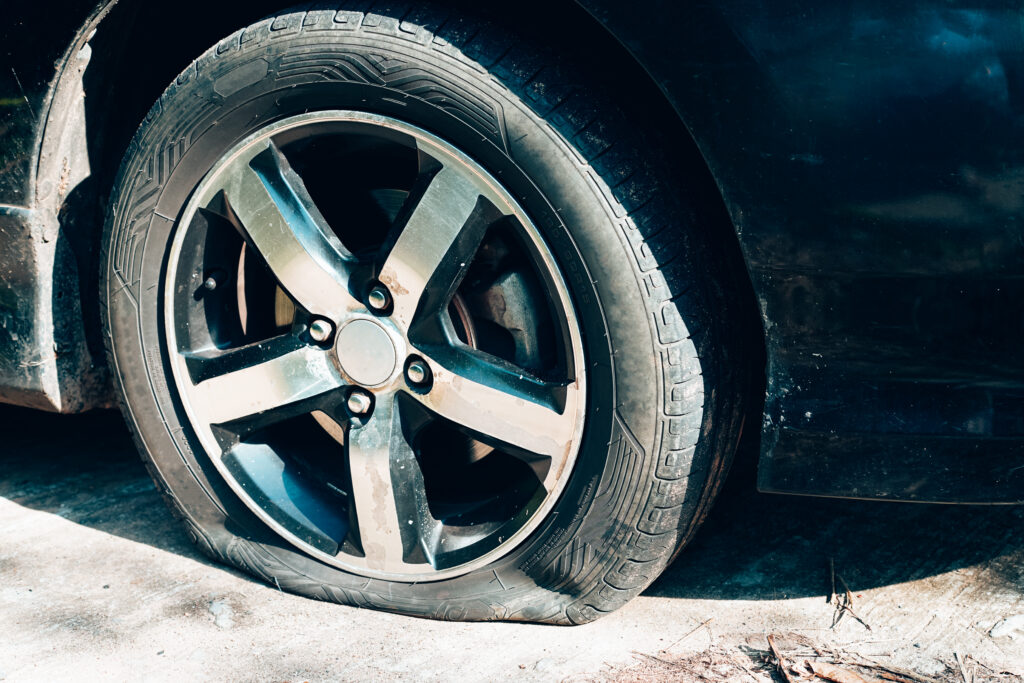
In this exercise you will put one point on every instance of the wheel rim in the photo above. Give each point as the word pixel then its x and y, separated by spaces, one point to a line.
pixel 410 405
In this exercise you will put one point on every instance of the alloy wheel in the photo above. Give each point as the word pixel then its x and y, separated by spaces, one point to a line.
pixel 374 346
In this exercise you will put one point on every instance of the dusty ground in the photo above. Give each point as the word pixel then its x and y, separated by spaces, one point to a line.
pixel 97 581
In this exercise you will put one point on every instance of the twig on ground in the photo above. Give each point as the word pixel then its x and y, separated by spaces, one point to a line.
pixel 780 663
pixel 981 664
pixel 893 677
pixel 739 663
pixel 832 570
pixel 844 605
pixel 690 633
pixel 846 589
pixel 963 669
pixel 905 673
pixel 831 672
pixel 874 641
pixel 657 659
pixel 809 644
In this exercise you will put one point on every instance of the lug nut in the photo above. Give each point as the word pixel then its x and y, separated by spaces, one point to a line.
pixel 417 372
pixel 359 402
pixel 378 298
pixel 214 280
pixel 320 330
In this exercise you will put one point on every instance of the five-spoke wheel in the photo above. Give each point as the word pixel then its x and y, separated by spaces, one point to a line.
pixel 436 346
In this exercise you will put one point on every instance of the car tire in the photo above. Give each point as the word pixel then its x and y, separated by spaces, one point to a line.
pixel 634 290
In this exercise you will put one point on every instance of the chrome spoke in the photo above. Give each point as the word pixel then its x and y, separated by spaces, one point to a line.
pixel 279 219
pixel 438 238
pixel 259 378
pixel 388 490
pixel 503 404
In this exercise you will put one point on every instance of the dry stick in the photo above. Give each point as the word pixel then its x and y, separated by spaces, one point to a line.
pixel 893 677
pixel 808 643
pixel 875 641
pixel 849 595
pixel 960 663
pixel 848 605
pixel 743 666
pixel 780 663
pixel 978 663
pixel 674 665
pixel 831 672
pixel 837 616
pixel 695 629
pixel 855 616
pixel 816 649
pixel 906 673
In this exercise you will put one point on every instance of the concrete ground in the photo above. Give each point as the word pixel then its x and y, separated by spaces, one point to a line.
pixel 97 581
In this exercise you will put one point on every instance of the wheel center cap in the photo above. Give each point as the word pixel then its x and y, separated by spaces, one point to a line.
pixel 366 352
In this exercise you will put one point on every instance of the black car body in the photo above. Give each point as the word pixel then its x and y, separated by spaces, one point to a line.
pixel 868 157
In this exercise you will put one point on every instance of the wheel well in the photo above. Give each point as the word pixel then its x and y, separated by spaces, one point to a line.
pixel 135 54
pixel 139 46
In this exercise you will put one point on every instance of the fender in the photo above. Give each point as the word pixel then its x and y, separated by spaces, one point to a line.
pixel 869 156
pixel 45 362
